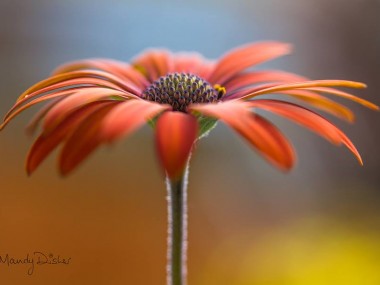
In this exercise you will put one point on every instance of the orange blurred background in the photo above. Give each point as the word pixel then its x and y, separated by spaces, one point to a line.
pixel 249 223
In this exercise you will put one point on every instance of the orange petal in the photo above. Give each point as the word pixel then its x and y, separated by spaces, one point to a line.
pixel 83 140
pixel 250 78
pixel 118 68
pixel 63 87
pixel 76 101
pixel 303 85
pixel 175 135
pixel 154 63
pixel 348 143
pixel 21 105
pixel 246 56
pixel 204 70
pixel 35 121
pixel 273 141
pixel 190 62
pixel 322 103
pixel 16 110
pixel 46 143
pixel 129 116
pixel 81 74
pixel 241 93
pixel 68 85
pixel 76 83
pixel 261 134
pixel 308 119
pixel 347 96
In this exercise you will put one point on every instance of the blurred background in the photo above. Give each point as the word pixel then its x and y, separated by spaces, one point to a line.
pixel 249 223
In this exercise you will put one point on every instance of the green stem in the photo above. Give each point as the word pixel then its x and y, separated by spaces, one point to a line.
pixel 177 230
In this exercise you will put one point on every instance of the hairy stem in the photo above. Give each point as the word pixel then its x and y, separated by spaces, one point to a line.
pixel 177 230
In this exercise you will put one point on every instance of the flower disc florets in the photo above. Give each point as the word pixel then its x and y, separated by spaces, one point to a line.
pixel 180 90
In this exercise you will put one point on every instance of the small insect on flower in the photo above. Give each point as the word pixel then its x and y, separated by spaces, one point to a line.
pixel 182 95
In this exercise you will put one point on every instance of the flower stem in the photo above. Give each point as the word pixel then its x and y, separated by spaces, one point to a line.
pixel 177 230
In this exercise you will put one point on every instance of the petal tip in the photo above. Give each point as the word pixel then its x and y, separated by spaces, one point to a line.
pixel 64 171
pixel 28 172
pixel 360 160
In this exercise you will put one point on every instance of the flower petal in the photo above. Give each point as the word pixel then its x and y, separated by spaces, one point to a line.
pixel 286 152
pixel 16 110
pixel 83 140
pixel 308 119
pixel 118 68
pixel 65 87
pixel 250 78
pixel 261 134
pixel 127 117
pixel 22 105
pixel 192 62
pixel 46 143
pixel 82 74
pixel 175 135
pixel 154 63
pixel 347 96
pixel 241 93
pixel 76 101
pixel 309 97
pixel 322 103
pixel 304 85
pixel 36 120
pixel 246 56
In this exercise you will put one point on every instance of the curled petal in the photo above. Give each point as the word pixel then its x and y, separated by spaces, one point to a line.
pixel 322 103
pixel 72 84
pixel 308 119
pixel 241 93
pixel 347 96
pixel 127 117
pixel 35 121
pixel 83 140
pixel 243 57
pixel 304 85
pixel 250 78
pixel 82 74
pixel 312 98
pixel 175 135
pixel 118 68
pixel 261 134
pixel 61 89
pixel 16 110
pixel 81 98
pixel 286 151
pixel 46 143
pixel 22 105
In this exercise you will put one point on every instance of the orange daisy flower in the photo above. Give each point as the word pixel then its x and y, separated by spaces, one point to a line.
pixel 183 95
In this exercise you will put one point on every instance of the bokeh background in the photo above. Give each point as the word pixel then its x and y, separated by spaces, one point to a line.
pixel 249 223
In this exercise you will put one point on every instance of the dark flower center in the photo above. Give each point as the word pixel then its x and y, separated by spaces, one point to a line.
pixel 180 90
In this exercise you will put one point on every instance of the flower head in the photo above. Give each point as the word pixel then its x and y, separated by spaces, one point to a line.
pixel 183 95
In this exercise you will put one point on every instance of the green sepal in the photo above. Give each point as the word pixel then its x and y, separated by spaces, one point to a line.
pixel 206 124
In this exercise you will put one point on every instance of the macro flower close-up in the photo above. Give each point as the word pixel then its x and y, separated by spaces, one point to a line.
pixel 189 142
pixel 183 95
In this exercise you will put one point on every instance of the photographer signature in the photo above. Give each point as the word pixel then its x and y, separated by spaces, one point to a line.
pixel 33 260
